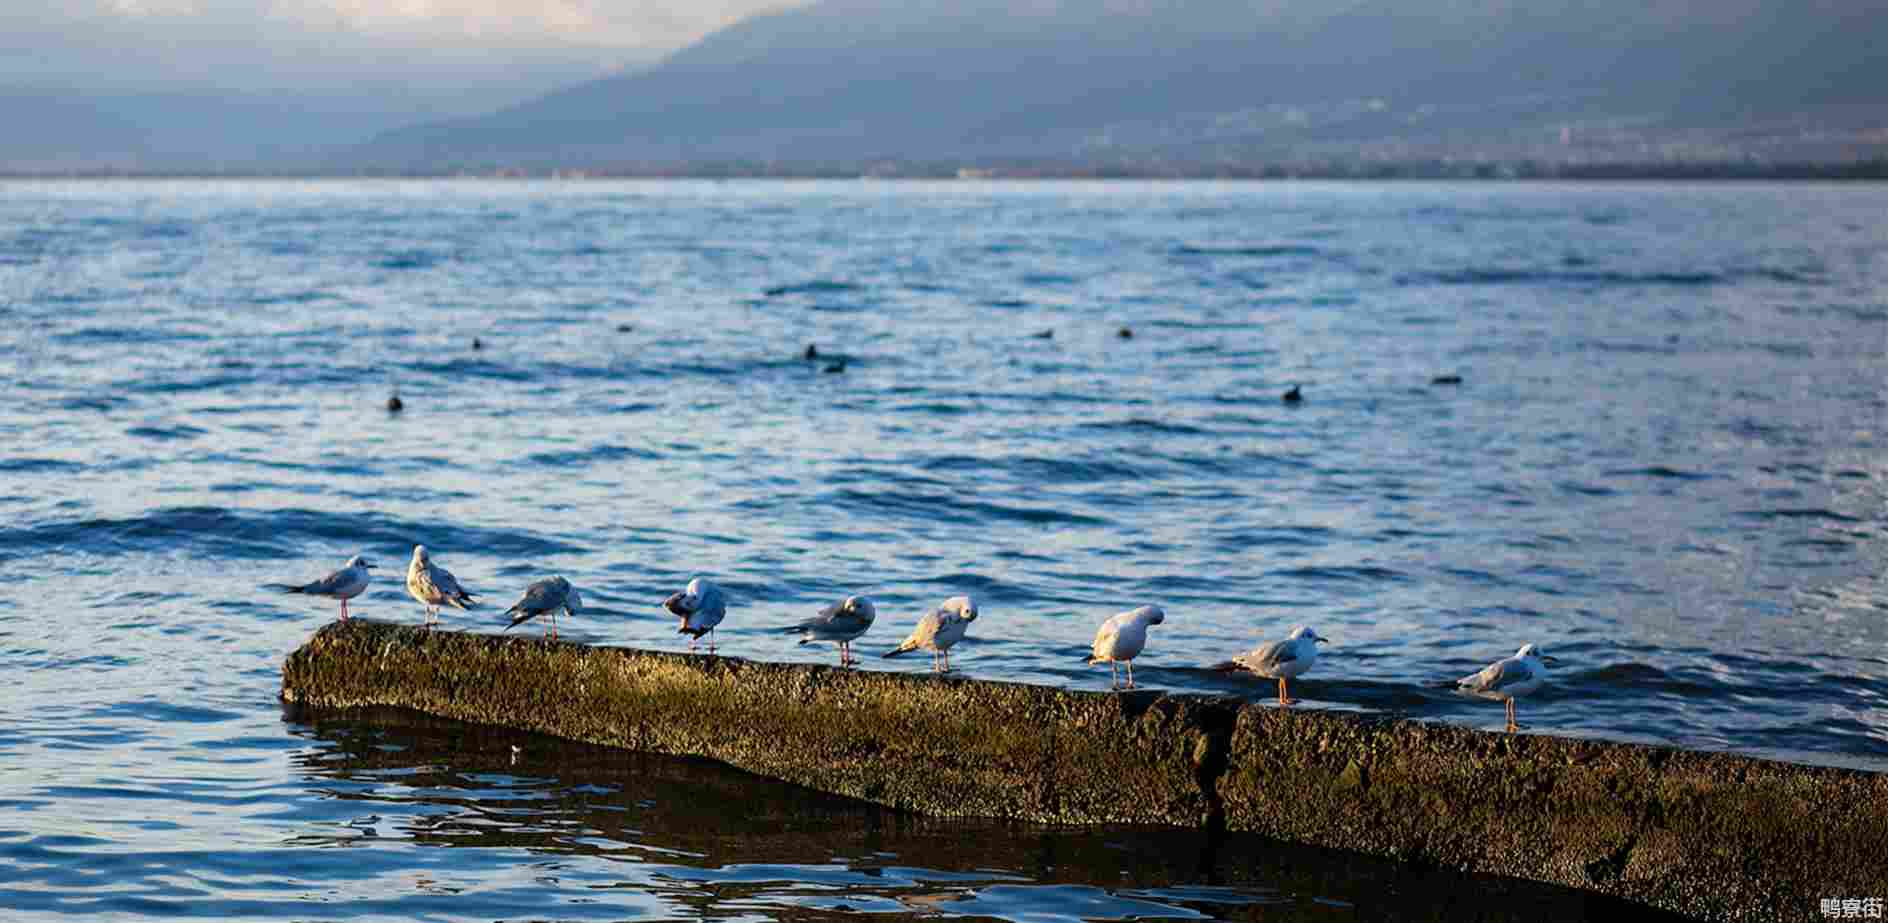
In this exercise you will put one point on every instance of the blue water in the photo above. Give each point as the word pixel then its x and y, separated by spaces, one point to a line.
pixel 1664 463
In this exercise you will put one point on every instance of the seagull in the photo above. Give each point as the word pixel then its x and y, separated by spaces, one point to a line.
pixel 1121 637
pixel 701 608
pixel 1509 677
pixel 542 596
pixel 1280 660
pixel 344 584
pixel 939 629
pixel 842 622
pixel 434 586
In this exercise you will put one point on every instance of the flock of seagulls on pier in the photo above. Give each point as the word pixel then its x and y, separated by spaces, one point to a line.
pixel 701 606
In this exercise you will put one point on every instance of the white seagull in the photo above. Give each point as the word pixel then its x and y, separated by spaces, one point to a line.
pixel 434 586
pixel 1280 660
pixel 842 622
pixel 344 584
pixel 1121 637
pixel 542 596
pixel 700 607
pixel 1509 677
pixel 939 629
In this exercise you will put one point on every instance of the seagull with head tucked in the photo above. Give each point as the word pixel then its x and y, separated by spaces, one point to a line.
pixel 842 623
pixel 1121 638
pixel 344 584
pixel 1281 660
pixel 701 607
pixel 1508 678
pixel 435 586
pixel 938 629
pixel 545 596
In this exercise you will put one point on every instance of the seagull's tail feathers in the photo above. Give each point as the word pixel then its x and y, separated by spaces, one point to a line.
pixel 462 601
pixel 285 588
pixel 900 649
pixel 1091 659
pixel 1227 666
pixel 518 617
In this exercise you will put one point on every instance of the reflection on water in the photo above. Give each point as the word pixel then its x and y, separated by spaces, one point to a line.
pixel 586 832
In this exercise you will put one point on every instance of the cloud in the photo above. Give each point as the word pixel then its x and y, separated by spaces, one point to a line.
pixel 648 25
pixel 485 52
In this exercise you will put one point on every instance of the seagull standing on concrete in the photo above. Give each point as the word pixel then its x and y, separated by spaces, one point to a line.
pixel 542 596
pixel 700 607
pixel 1280 660
pixel 1509 677
pixel 841 622
pixel 938 630
pixel 344 584
pixel 434 586
pixel 1121 637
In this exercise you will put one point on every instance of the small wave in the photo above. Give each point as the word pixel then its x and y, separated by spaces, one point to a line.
pixel 221 533
pixel 38 465
pixel 1144 425
pixel 1561 277
pixel 1827 515
pixel 593 455
pixel 409 259
pixel 934 507
pixel 812 287
pixel 1661 472
pixel 1039 470
pixel 165 433
pixel 1247 250
pixel 1341 574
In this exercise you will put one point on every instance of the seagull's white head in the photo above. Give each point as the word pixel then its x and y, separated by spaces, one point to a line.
pixel 963 606
pixel 573 601
pixel 1304 631
pixel 861 608
pixel 358 561
pixel 1534 651
pixel 1152 615
pixel 420 555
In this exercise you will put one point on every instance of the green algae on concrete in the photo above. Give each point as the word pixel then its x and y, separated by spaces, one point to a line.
pixel 1715 836
pixel 937 745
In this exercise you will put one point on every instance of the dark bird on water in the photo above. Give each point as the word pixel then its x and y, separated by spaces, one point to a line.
pixel 835 368
pixel 812 352
pixel 1125 333
pixel 476 345
pixel 624 328
pixel 1044 335
pixel 1446 380
pixel 394 404
pixel 1292 395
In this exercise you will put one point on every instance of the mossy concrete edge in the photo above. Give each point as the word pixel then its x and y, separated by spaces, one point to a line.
pixel 1715 836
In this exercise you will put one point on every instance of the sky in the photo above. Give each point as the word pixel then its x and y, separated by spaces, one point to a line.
pixel 486 51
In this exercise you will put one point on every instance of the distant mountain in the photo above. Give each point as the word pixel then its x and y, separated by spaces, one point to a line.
pixel 857 81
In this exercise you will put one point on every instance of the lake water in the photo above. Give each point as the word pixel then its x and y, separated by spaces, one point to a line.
pixel 1664 462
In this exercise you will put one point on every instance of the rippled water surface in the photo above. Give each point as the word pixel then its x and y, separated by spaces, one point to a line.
pixel 1664 462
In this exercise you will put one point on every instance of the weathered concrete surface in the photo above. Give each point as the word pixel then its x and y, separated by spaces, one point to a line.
pixel 1709 835
pixel 943 746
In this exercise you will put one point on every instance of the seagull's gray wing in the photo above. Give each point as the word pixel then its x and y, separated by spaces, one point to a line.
pixel 331 584
pixel 1268 656
pixel 1498 675
pixel 542 596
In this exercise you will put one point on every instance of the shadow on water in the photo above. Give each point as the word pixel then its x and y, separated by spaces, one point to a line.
pixel 696 838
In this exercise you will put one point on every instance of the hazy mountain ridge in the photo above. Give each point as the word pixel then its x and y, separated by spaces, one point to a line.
pixel 862 81
pixel 1204 81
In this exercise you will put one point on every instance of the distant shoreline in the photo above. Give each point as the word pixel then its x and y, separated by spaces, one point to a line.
pixel 1493 171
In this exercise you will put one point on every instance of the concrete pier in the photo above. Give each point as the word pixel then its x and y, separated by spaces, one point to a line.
pixel 1708 835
